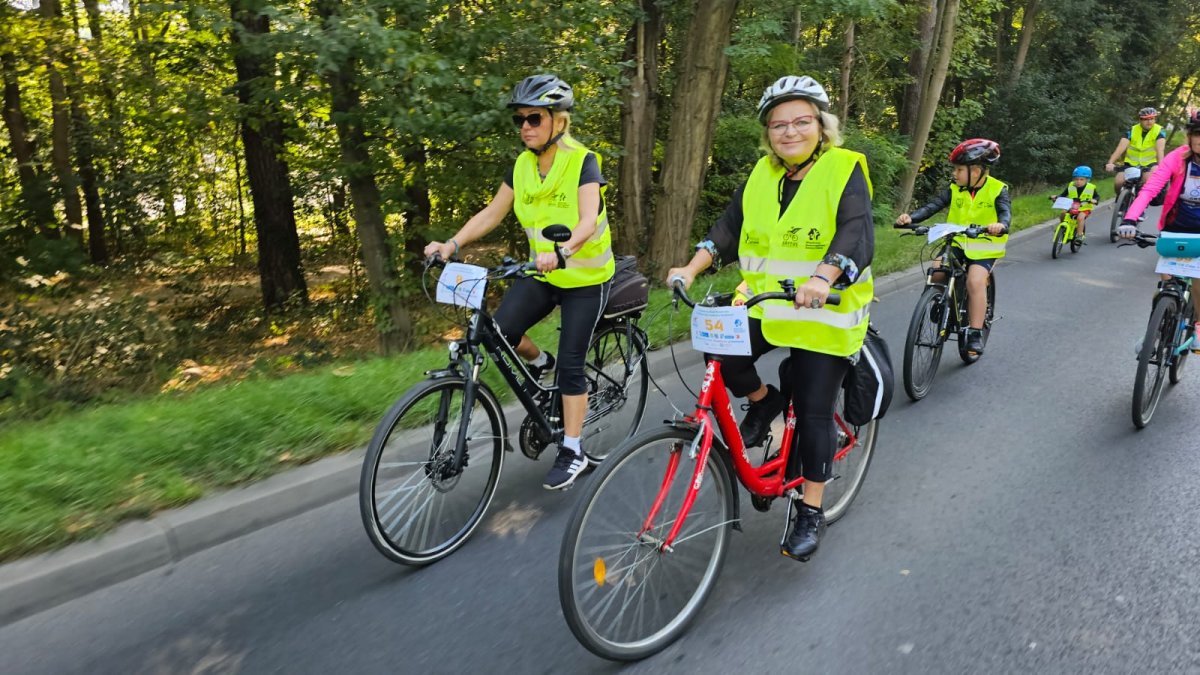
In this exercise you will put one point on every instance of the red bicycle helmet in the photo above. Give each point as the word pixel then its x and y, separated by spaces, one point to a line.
pixel 979 151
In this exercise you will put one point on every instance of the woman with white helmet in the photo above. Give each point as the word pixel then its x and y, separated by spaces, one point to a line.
pixel 804 214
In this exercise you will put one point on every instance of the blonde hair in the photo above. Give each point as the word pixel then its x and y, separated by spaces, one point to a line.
pixel 831 137
pixel 567 139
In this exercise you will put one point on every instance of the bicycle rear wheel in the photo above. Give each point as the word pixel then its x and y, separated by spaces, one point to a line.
pixel 850 464
pixel 923 345
pixel 1153 360
pixel 624 597
pixel 618 377
pixel 416 506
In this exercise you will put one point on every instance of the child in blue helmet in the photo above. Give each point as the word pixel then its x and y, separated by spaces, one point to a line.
pixel 1081 189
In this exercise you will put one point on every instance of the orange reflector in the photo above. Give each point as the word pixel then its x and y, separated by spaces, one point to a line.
pixel 600 571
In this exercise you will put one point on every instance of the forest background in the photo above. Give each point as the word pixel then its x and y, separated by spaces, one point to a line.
pixel 219 207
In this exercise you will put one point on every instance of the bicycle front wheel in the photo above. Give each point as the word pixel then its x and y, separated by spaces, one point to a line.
pixel 923 345
pixel 1181 358
pixel 618 377
pixel 417 503
pixel 1153 360
pixel 623 595
pixel 1060 234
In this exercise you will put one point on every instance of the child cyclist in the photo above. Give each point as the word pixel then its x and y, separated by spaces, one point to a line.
pixel 974 198
pixel 1083 191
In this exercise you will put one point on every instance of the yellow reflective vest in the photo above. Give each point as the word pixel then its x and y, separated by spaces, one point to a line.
pixel 1084 196
pixel 554 200
pixel 977 209
pixel 774 247
pixel 1141 151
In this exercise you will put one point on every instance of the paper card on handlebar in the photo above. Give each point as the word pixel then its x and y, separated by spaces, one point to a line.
pixel 721 330
pixel 942 229
pixel 1063 203
pixel 1133 172
pixel 462 284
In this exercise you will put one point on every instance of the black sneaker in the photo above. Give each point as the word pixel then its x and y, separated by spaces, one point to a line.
pixel 805 537
pixel 975 340
pixel 567 467
pixel 759 415
pixel 539 373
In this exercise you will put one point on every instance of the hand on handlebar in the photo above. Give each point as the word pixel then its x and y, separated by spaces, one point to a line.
pixel 546 262
pixel 812 294
pixel 443 249
pixel 903 220
pixel 1110 167
pixel 682 274
pixel 996 229
pixel 1127 230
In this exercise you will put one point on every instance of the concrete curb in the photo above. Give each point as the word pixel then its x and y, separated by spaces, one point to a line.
pixel 38 583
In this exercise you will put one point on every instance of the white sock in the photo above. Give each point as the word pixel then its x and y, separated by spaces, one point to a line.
pixel 572 442
pixel 542 359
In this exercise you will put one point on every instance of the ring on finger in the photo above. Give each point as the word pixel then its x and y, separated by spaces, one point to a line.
pixel 815 304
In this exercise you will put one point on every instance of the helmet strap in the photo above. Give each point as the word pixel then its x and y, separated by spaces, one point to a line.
pixel 793 170
pixel 554 138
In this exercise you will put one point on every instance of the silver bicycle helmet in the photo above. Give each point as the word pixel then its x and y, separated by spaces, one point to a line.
pixel 542 91
pixel 791 88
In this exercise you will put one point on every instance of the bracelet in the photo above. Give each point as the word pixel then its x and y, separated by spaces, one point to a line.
pixel 453 241
pixel 822 277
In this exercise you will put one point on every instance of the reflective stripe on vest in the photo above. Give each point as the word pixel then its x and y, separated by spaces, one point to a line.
pixel 773 248
pixel 1084 198
pixel 539 202
pixel 977 210
pixel 1142 144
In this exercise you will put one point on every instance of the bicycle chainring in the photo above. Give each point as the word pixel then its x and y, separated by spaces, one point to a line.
pixel 532 438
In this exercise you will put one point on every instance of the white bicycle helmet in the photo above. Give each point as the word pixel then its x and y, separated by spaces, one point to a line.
pixel 791 88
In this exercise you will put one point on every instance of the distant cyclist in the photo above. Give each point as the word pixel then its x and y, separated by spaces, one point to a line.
pixel 975 197
pixel 1081 189
pixel 1142 146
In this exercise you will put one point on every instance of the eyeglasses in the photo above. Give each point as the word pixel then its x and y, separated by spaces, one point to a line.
pixel 802 124
pixel 534 119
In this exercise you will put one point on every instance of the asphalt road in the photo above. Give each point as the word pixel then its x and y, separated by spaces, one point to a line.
pixel 1013 521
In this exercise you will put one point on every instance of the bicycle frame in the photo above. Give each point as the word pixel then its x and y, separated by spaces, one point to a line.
pixel 954 270
pixel 1179 288
pixel 764 480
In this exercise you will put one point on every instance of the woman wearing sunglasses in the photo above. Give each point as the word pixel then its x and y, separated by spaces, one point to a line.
pixel 804 214
pixel 556 180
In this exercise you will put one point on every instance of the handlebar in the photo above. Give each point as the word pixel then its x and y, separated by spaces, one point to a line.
pixel 1141 239
pixel 972 231
pixel 788 293
pixel 507 269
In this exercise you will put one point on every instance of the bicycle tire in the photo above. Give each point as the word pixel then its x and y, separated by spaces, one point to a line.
pixel 618 381
pixel 918 380
pixel 1157 341
pixel 1120 204
pixel 1060 234
pixel 383 513
pixel 852 467
pixel 586 589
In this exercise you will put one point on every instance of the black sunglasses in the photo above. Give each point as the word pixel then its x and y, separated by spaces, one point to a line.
pixel 534 119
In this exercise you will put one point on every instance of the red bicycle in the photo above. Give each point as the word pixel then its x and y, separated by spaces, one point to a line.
pixel 647 540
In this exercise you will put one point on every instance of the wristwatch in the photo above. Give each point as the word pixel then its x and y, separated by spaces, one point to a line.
pixel 566 252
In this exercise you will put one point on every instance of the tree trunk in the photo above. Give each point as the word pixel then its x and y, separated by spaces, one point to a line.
pixel 36 199
pixel 696 102
pixel 279 270
pixel 418 211
pixel 847 65
pixel 1031 9
pixel 392 318
pixel 85 152
pixel 638 114
pixel 60 135
pixel 929 102
pixel 918 63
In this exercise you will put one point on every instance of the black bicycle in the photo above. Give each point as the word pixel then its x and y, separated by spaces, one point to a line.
pixel 941 312
pixel 432 467
pixel 1167 343
pixel 1124 199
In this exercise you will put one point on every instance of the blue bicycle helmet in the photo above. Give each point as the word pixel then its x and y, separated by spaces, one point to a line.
pixel 1082 172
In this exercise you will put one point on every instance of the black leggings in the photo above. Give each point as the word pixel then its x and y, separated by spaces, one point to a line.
pixel 528 301
pixel 814 380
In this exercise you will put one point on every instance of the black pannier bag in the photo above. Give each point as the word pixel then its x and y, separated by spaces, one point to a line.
pixel 629 291
pixel 870 382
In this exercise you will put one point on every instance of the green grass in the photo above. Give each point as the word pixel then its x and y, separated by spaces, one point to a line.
pixel 79 475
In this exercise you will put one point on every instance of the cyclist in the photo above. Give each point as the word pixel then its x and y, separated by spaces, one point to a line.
pixel 1081 189
pixel 1143 145
pixel 804 214
pixel 554 180
pixel 975 197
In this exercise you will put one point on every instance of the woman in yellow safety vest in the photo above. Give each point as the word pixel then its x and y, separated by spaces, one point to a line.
pixel 556 180
pixel 975 197
pixel 804 214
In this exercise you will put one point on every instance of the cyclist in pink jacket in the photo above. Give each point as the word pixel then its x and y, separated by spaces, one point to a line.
pixel 1180 168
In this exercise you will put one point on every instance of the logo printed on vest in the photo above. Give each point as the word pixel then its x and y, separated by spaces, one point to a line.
pixel 791 238
pixel 814 239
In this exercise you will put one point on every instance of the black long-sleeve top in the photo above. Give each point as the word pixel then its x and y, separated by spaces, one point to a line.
pixel 942 199
pixel 853 240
